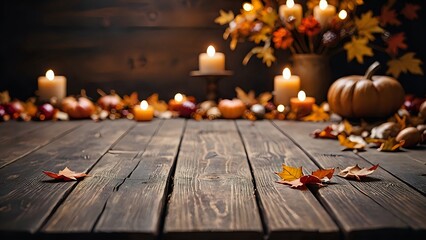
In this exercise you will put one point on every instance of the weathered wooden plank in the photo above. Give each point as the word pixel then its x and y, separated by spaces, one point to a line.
pixel 138 138
pixel 401 203
pixel 12 129
pixel 146 188
pixel 213 195
pixel 21 145
pixel 289 213
pixel 27 198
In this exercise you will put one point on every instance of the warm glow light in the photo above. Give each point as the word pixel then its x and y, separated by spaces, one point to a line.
pixel 211 51
pixel 343 14
pixel 290 3
pixel 323 4
pixel 178 97
pixel 144 105
pixel 280 108
pixel 286 73
pixel 248 7
pixel 301 96
pixel 50 75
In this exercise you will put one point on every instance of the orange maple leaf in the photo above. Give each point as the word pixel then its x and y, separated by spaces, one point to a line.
pixel 410 11
pixel 65 175
pixel 388 16
pixel 328 132
pixel 303 181
pixel 322 173
pixel 395 42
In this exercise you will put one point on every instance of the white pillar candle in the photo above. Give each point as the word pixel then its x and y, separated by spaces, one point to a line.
pixel 211 61
pixel 291 9
pixel 50 86
pixel 286 86
pixel 324 13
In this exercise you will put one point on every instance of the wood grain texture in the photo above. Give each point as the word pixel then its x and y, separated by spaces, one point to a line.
pixel 289 213
pixel 139 201
pixel 404 206
pixel 137 139
pixel 21 145
pixel 27 197
pixel 213 195
pixel 12 129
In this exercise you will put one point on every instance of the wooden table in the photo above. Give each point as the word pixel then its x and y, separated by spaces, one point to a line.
pixel 183 179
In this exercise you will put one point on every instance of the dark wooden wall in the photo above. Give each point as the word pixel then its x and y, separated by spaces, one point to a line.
pixel 128 45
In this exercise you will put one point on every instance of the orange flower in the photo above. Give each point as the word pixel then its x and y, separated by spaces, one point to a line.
pixel 309 26
pixel 282 38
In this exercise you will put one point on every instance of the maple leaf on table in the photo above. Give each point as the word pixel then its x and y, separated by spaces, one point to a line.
pixel 65 175
pixel 386 145
pixel 406 63
pixel 294 177
pixel 410 11
pixel 395 42
pixel 349 144
pixel 318 115
pixel 357 48
pixel 290 173
pixel 355 172
pixel 225 17
pixel 328 133
pixel 367 25
pixel 388 16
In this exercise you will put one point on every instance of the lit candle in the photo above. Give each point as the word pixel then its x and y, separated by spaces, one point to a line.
pixel 211 61
pixel 51 86
pixel 302 105
pixel 291 9
pixel 343 14
pixel 176 103
pixel 285 87
pixel 143 112
pixel 324 13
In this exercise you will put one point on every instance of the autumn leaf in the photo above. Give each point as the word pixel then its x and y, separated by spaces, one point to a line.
pixel 290 173
pixel 389 16
pixel 131 100
pixel 390 145
pixel 357 48
pixel 261 36
pixel 65 175
pixel 395 42
pixel 158 105
pixel 303 181
pixel 269 17
pixel 410 11
pixel 328 132
pixel 406 63
pixel 265 53
pixel 355 172
pixel 264 98
pixel 225 17
pixel 318 115
pixel 4 97
pixel 367 25
pixel 247 98
pixel 348 144
pixel 323 173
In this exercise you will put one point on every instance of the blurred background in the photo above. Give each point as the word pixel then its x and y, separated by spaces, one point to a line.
pixel 148 46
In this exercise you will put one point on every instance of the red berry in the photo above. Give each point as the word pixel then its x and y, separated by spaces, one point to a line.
pixel 187 109
pixel 46 111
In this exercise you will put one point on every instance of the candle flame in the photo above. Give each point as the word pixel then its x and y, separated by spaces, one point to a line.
pixel 286 73
pixel 178 97
pixel 323 4
pixel 343 14
pixel 211 51
pixel 301 96
pixel 50 75
pixel 290 3
pixel 280 108
pixel 247 7
pixel 144 105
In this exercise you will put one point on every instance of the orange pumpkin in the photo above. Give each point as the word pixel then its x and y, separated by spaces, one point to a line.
pixel 231 109
pixel 365 96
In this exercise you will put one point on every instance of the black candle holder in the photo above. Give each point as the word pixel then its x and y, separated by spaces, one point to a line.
pixel 212 80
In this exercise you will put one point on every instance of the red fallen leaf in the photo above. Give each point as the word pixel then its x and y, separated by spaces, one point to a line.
pixel 388 16
pixel 303 181
pixel 323 173
pixel 65 175
pixel 410 11
pixel 327 132
pixel 355 172
pixel 396 42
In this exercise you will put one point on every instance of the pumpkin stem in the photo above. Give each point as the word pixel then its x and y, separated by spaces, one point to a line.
pixel 371 70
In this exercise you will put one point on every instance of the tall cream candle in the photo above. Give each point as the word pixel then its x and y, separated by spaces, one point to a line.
pixel 286 86
pixel 324 13
pixel 50 86
pixel 291 9
pixel 211 61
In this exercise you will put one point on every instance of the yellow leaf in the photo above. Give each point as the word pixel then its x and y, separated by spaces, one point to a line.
pixel 225 17
pixel 267 56
pixel 269 16
pixel 247 98
pixel 406 63
pixel 263 35
pixel 348 144
pixel 367 25
pixel 390 145
pixel 257 5
pixel 357 48
pixel 290 173
pixel 318 115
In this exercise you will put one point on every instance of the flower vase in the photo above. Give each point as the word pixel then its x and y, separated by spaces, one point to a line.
pixel 315 75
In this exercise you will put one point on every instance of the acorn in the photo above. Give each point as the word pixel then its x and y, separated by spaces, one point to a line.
pixel 410 135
